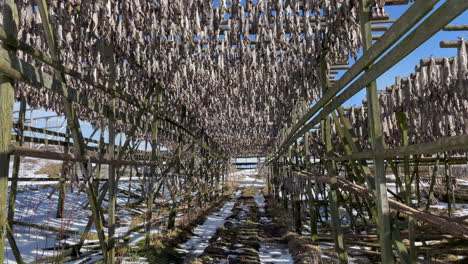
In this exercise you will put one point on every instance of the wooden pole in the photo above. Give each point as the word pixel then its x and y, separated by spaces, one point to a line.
pixel 375 127
pixel 110 60
pixel 403 126
pixel 333 197
pixel 10 23
pixel 16 161
pixel 63 180
pixel 447 186
pixel 331 169
pixel 154 142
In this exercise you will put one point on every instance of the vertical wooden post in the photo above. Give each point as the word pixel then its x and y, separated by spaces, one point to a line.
pixel 173 211
pixel 331 168
pixel 110 60
pixel 333 196
pixel 16 161
pixel 433 181
pixel 447 185
pixel 375 128
pixel 154 143
pixel 403 125
pixel 10 25
pixel 63 178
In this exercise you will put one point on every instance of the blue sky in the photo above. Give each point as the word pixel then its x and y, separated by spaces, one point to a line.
pixel 404 68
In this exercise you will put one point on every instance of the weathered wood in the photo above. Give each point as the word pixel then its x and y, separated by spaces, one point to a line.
pixel 446 225
pixel 110 60
pixel 150 198
pixel 456 28
pixel 34 153
pixel 10 22
pixel 16 161
pixel 13 245
pixel 63 179
pixel 403 126
pixel 452 44
pixel 331 170
pixel 445 144
pixel 377 142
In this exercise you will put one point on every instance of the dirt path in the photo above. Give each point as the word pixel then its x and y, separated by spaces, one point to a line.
pixel 248 236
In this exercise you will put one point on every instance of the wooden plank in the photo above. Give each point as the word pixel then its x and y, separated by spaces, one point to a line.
pixel 444 144
pixel 34 153
pixel 72 119
pixel 452 44
pixel 456 28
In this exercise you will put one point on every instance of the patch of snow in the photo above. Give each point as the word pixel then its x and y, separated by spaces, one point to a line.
pixel 273 253
pixel 203 233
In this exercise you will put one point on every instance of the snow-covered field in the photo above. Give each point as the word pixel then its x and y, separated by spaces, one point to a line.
pixel 36 204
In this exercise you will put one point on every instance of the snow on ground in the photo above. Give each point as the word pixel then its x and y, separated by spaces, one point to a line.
pixel 461 209
pixel 244 178
pixel 203 233
pixel 36 203
pixel 274 253
pixel 29 168
pixel 39 207
pixel 271 253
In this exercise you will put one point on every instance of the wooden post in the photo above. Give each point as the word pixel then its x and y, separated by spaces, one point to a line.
pixel 375 128
pixel 433 181
pixel 110 60
pixel 16 161
pixel 333 196
pixel 10 24
pixel 403 126
pixel 173 211
pixel 447 185
pixel 154 142
pixel 63 179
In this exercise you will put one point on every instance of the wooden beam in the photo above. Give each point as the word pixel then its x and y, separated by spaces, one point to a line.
pixel 445 144
pixel 34 153
pixel 456 28
pixel 452 44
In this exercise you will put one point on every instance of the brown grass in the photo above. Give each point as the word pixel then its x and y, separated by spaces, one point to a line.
pixel 52 170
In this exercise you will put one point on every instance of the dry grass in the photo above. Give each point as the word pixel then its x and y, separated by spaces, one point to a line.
pixel 230 187
pixel 248 192
pixel 52 170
